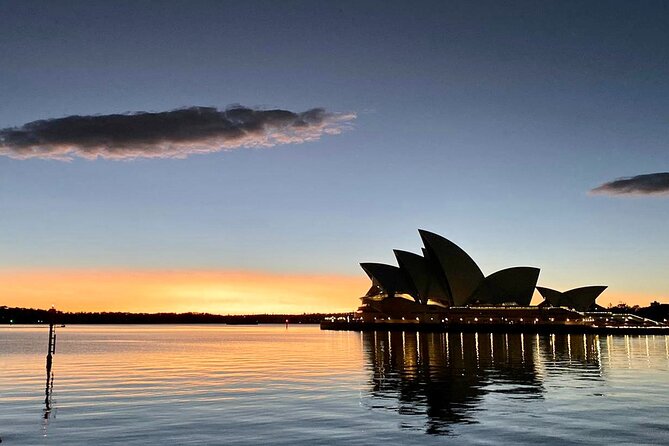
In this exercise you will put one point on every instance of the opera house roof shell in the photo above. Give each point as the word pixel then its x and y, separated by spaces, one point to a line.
pixel 447 276
pixel 580 299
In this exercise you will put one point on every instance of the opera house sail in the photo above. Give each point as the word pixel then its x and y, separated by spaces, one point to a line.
pixel 448 276
pixel 581 299
pixel 443 286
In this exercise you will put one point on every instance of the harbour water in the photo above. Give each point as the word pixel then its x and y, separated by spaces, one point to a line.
pixel 248 385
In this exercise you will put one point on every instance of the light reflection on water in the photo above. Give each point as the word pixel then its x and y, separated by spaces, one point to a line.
pixel 445 377
pixel 268 384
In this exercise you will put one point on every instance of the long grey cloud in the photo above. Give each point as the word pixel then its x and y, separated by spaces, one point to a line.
pixel 648 184
pixel 170 134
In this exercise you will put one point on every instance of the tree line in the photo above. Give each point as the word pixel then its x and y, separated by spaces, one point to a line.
pixel 13 315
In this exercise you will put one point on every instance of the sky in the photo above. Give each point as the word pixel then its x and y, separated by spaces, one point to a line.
pixel 245 157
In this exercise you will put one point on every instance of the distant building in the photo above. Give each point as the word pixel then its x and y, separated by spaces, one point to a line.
pixel 444 280
pixel 580 299
pixel 444 288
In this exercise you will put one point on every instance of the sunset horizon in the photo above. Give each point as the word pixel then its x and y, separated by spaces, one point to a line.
pixel 352 222
pixel 531 136
pixel 226 292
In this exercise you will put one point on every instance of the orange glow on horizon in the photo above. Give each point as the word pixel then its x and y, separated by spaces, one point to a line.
pixel 613 298
pixel 211 291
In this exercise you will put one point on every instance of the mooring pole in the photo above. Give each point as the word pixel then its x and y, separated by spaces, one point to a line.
pixel 49 357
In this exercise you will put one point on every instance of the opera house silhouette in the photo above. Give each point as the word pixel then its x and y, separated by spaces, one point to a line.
pixel 443 286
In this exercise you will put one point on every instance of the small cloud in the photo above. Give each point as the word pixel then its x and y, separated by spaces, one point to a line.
pixel 648 184
pixel 170 134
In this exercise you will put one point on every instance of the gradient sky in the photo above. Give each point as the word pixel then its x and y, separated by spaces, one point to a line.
pixel 486 122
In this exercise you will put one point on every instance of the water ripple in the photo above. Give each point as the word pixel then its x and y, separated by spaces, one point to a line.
pixel 188 385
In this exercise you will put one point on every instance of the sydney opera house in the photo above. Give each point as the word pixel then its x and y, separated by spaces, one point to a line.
pixel 443 286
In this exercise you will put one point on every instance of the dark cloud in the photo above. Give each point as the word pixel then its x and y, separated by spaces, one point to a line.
pixel 171 134
pixel 649 184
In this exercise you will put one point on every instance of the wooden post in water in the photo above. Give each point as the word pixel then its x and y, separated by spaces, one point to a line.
pixel 49 357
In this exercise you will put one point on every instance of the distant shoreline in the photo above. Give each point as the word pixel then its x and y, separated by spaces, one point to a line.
pixel 31 316
pixel 18 316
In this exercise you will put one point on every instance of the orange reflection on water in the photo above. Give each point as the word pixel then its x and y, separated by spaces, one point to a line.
pixel 99 365
pixel 204 380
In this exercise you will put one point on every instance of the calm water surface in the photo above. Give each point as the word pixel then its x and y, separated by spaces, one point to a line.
pixel 204 384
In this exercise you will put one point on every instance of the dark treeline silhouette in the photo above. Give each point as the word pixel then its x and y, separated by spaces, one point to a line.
pixel 9 315
pixel 655 311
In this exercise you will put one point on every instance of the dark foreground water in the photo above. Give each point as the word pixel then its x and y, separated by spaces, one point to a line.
pixel 180 385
